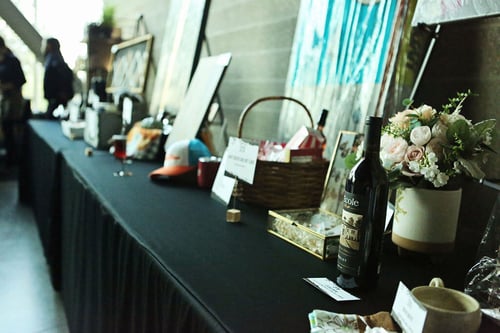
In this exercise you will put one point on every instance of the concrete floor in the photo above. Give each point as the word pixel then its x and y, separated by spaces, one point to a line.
pixel 28 304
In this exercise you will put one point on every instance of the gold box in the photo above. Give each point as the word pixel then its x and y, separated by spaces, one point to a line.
pixel 317 230
pixel 314 230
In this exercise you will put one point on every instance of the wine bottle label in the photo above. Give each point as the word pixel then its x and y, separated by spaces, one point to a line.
pixel 349 260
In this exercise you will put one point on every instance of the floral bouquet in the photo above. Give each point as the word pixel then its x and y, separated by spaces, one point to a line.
pixel 422 147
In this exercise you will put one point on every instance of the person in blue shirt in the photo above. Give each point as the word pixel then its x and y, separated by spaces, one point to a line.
pixel 12 103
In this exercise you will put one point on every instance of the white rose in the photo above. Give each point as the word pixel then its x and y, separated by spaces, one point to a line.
pixel 420 135
pixel 426 112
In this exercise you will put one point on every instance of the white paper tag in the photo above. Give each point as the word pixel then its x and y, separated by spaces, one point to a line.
pixel 407 311
pixel 241 159
pixel 331 289
pixel 223 186
pixel 127 108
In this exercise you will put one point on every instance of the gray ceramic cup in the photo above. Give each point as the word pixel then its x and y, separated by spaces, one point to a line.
pixel 448 310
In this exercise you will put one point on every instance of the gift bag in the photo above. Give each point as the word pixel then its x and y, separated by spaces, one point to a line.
pixel 144 143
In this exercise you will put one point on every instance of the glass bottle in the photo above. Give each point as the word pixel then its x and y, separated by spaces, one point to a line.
pixel 363 216
pixel 320 127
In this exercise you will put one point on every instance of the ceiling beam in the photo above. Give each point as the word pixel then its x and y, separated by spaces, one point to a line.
pixel 22 27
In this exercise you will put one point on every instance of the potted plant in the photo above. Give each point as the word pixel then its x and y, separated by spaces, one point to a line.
pixel 427 153
pixel 104 28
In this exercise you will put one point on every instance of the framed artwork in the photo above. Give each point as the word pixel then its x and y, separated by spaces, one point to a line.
pixel 201 92
pixel 179 54
pixel 129 65
pixel 347 146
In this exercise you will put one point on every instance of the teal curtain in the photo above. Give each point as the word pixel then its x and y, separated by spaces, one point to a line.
pixel 342 60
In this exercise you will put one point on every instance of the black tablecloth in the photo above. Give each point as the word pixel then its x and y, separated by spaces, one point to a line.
pixel 139 256
pixel 39 184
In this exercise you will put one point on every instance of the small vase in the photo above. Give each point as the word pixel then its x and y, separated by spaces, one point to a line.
pixel 426 220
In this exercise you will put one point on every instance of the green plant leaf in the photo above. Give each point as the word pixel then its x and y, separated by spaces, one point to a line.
pixel 460 134
pixel 472 168
pixel 350 160
pixel 485 125
pixel 407 102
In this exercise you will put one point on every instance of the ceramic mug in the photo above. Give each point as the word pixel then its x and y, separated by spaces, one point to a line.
pixel 448 310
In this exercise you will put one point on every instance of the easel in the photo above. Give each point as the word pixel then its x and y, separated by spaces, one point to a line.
pixel 427 56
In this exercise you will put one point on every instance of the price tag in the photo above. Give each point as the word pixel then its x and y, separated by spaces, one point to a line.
pixel 407 311
pixel 331 289
pixel 241 159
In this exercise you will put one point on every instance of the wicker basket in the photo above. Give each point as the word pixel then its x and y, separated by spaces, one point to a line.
pixel 280 185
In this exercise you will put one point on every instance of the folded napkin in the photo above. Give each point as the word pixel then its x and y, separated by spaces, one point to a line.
pixel 330 322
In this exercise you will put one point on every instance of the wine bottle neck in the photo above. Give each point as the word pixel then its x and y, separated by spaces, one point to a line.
pixel 373 131
pixel 322 119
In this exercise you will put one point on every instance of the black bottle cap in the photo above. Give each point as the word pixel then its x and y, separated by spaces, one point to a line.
pixel 372 120
pixel 322 118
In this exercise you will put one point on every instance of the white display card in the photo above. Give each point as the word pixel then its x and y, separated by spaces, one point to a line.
pixel 241 159
pixel 407 311
pixel 331 289
pixel 223 185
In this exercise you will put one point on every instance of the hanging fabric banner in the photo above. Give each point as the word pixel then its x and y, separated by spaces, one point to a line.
pixel 342 60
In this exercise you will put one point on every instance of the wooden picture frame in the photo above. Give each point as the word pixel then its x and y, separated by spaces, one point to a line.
pixel 347 145
pixel 129 65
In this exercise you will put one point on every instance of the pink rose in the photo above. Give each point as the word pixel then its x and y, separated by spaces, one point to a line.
pixel 392 150
pixel 414 153
pixel 420 135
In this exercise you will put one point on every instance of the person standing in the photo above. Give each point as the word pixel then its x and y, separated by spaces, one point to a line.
pixel 58 77
pixel 12 103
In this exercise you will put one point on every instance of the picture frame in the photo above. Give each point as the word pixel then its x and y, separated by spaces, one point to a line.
pixel 130 65
pixel 347 145
pixel 201 91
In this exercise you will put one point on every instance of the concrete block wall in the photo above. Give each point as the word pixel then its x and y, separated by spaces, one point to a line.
pixel 258 33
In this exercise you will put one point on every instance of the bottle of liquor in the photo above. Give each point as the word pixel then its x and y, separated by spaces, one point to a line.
pixel 320 127
pixel 363 216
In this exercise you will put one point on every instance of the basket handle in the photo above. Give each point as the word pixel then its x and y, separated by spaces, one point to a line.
pixel 269 98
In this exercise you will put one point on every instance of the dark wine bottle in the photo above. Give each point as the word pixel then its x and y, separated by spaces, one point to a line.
pixel 363 216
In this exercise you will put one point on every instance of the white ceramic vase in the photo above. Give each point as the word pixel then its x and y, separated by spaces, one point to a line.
pixel 426 220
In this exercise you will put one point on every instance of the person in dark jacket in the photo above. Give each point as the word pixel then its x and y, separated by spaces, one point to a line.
pixel 11 105
pixel 58 77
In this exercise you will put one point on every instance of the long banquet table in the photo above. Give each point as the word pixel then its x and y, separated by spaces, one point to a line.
pixel 133 255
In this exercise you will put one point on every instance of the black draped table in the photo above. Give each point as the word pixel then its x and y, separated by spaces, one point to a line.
pixel 139 256
pixel 39 184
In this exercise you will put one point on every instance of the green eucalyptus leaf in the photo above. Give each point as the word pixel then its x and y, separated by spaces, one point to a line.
pixel 459 130
pixel 485 125
pixel 472 168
